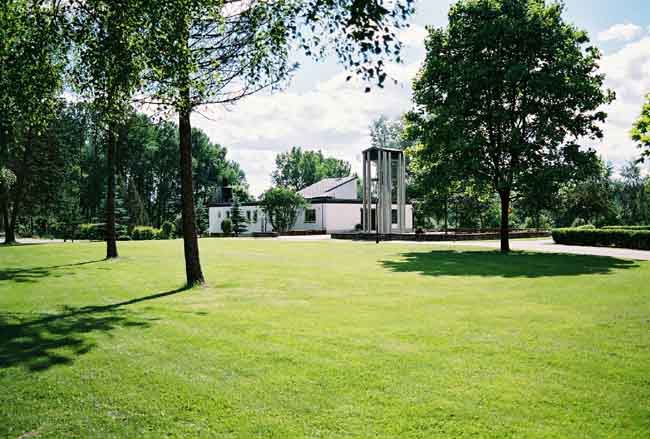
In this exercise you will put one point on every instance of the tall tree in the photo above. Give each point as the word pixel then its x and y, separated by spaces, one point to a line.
pixel 297 169
pixel 217 52
pixel 32 54
pixel 387 133
pixel 110 51
pixel 506 91
pixel 237 218
pixel 634 196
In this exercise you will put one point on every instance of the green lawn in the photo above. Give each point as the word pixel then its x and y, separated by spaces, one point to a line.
pixel 322 340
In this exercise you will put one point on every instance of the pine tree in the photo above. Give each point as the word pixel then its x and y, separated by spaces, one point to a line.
pixel 237 219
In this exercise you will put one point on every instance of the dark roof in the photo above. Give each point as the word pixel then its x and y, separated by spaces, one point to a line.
pixel 377 148
pixel 317 200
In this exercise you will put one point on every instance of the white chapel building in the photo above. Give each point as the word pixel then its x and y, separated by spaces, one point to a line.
pixel 332 207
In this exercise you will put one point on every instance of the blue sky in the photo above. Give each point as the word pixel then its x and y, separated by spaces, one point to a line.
pixel 320 110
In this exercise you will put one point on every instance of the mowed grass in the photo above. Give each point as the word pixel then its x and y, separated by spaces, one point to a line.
pixel 322 340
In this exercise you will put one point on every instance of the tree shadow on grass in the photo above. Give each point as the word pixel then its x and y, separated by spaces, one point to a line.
pixel 38 343
pixel 496 264
pixel 32 274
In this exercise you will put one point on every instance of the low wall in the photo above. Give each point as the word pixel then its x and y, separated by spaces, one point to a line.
pixel 437 237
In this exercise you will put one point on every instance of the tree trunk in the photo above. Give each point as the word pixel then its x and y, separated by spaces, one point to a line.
pixel 111 242
pixel 193 271
pixel 10 234
pixel 446 216
pixel 505 217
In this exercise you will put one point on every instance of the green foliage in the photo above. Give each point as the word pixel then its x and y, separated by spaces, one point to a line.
pixel 386 133
pixel 626 227
pixel 109 52
pixel 237 218
pixel 32 58
pixel 144 233
pixel 579 222
pixel 297 169
pixel 202 219
pixel 93 232
pixel 499 65
pixel 633 239
pixel 641 130
pixel 226 226
pixel 167 230
pixel 7 178
pixel 281 205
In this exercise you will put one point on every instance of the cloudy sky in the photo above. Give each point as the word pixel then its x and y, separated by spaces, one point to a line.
pixel 320 110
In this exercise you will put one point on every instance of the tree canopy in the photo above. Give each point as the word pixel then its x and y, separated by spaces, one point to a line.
pixel 282 205
pixel 297 169
pixel 505 93
pixel 32 58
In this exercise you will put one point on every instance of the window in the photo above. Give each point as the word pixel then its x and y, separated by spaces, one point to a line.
pixel 227 214
pixel 248 216
pixel 219 214
pixel 310 216
pixel 255 216
pixel 393 215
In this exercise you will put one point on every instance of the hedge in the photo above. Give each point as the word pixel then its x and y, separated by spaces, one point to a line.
pixel 93 232
pixel 144 233
pixel 633 239
pixel 626 227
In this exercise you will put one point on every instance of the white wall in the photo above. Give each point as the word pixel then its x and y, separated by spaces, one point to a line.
pixel 218 214
pixel 302 225
pixel 332 217
pixel 342 217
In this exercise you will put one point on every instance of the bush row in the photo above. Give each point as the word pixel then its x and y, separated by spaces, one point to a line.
pixel 97 232
pixel 634 239
pixel 626 227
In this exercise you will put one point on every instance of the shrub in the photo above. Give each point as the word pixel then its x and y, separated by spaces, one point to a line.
pixel 124 238
pixel 358 227
pixel 626 227
pixel 93 232
pixel 281 206
pixel 578 222
pixel 167 230
pixel 226 226
pixel 634 239
pixel 144 233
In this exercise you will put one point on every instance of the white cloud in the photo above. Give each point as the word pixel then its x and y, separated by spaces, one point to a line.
pixel 628 74
pixel 621 32
pixel 413 36
pixel 334 116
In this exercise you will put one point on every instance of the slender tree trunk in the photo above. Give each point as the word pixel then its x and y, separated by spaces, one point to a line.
pixel 446 216
pixel 505 217
pixel 10 234
pixel 17 193
pixel 111 242
pixel 193 270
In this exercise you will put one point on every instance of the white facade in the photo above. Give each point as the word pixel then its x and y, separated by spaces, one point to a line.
pixel 328 216
pixel 332 207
